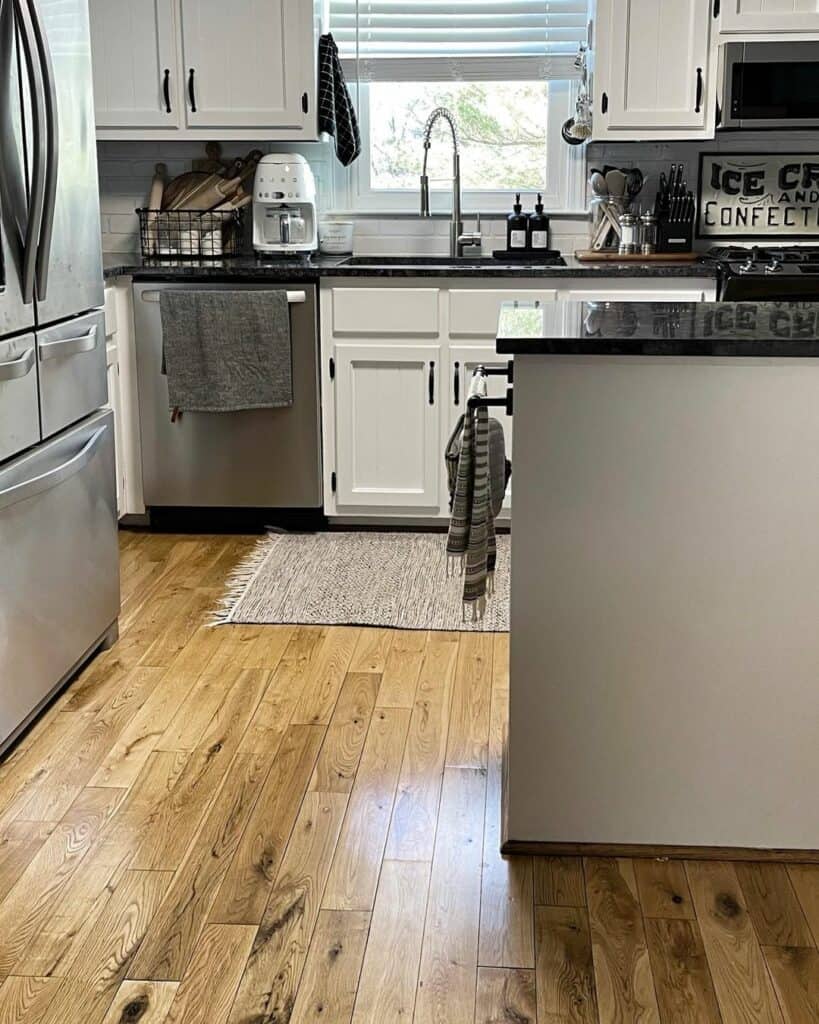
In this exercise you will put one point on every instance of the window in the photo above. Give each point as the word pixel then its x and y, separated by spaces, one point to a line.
pixel 505 68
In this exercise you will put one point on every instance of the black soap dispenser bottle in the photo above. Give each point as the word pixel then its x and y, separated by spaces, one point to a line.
pixel 538 227
pixel 516 227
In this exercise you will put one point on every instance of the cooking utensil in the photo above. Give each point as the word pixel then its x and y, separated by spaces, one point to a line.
pixel 181 185
pixel 598 184
pixel 616 181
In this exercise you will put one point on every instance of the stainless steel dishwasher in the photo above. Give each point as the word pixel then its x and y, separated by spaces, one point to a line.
pixel 259 458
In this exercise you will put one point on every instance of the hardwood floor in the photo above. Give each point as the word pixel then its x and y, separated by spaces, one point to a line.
pixel 265 825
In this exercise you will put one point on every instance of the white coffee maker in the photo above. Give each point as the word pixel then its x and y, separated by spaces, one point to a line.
pixel 284 206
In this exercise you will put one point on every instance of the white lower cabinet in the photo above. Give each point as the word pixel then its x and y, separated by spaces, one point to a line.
pixel 387 426
pixel 397 363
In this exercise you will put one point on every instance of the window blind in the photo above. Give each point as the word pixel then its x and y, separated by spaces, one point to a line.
pixel 427 40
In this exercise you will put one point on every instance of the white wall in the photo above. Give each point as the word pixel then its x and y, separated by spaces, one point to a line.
pixel 126 170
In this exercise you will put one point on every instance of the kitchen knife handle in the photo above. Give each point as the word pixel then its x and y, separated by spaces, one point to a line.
pixel 191 91
pixel 166 90
pixel 698 107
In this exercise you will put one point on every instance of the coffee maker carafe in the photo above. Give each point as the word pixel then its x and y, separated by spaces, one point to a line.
pixel 284 205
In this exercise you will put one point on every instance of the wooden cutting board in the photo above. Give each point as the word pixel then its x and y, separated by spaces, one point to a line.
pixel 597 256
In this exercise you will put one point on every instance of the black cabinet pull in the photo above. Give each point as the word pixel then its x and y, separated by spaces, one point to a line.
pixel 698 107
pixel 457 384
pixel 716 8
pixel 604 103
pixel 191 92
pixel 305 104
pixel 166 89
pixel 432 383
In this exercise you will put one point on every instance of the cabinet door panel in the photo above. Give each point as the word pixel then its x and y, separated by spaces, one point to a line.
pixel 658 58
pixel 388 439
pixel 247 64
pixel 132 44
pixel 769 16
pixel 463 361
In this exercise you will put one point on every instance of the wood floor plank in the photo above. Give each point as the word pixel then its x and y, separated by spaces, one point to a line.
pixel 663 889
pixel 386 991
pixel 142 1002
pixel 449 957
pixel 357 863
pixel 50 799
pixel 468 737
pixel 805 881
pixel 196 712
pixel 326 676
pixel 178 628
pixel 341 751
pixel 182 810
pixel 622 971
pixel 269 985
pixel 91 985
pixel 25 1000
pixel 402 669
pixel 559 882
pixel 29 902
pixel 505 996
pixel 682 980
pixel 267 648
pixel 564 970
pixel 174 932
pixel 330 979
pixel 795 973
pixel 412 830
pixel 775 911
pixel 18 846
pixel 207 991
pixel 507 893
pixel 245 889
pixel 741 981
pixel 371 651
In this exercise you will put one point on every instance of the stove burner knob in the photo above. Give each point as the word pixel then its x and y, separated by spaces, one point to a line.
pixel 775 266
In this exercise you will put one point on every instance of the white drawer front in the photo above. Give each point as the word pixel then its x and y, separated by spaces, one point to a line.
pixel 474 314
pixel 384 311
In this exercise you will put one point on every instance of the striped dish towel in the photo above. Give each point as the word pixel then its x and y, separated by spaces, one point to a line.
pixel 471 541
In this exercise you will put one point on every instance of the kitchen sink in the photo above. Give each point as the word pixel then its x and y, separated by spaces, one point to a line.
pixel 442 262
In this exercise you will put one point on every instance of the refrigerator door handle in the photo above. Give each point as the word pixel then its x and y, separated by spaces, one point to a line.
pixel 52 151
pixel 68 346
pixel 14 369
pixel 38 169
pixel 52 477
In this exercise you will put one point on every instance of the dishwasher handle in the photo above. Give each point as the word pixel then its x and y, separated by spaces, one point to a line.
pixel 52 477
pixel 293 298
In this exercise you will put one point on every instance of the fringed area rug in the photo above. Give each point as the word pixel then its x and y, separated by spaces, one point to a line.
pixel 396 580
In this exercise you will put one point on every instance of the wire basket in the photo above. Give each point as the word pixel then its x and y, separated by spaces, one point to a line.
pixel 190 234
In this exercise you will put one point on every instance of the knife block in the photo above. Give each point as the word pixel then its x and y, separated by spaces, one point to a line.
pixel 674 235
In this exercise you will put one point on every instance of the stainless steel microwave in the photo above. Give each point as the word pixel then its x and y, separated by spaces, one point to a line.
pixel 770 85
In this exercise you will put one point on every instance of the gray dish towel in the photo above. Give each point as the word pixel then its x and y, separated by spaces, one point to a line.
pixel 224 351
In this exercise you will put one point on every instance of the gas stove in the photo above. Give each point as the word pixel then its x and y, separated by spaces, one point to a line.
pixel 768 273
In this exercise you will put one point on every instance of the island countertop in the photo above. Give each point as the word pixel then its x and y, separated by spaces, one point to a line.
pixel 742 329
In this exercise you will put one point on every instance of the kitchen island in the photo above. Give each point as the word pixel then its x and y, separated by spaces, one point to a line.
pixel 664 677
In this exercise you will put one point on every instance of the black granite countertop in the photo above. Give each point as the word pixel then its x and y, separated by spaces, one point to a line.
pixel 251 268
pixel 659 328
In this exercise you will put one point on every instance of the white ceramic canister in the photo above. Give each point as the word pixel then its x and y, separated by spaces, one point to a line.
pixel 336 237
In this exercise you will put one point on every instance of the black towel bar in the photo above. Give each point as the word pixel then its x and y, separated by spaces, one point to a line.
pixel 507 403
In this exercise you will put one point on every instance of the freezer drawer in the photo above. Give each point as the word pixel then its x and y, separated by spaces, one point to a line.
pixel 59 570
pixel 19 414
pixel 73 371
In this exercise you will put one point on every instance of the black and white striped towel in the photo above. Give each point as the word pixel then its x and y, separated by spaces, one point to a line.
pixel 336 114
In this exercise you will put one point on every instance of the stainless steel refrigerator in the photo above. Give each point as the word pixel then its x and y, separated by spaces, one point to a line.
pixel 59 575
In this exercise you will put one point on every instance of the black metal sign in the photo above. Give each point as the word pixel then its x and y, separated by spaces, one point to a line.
pixel 759 195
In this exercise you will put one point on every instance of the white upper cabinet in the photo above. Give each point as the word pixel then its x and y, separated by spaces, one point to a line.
pixel 248 64
pixel 768 15
pixel 652 73
pixel 136 84
pixel 246 69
